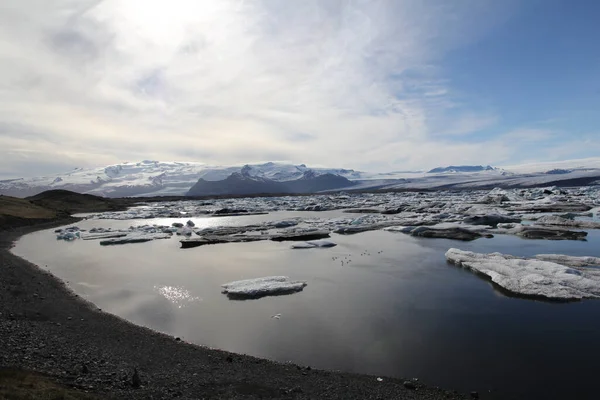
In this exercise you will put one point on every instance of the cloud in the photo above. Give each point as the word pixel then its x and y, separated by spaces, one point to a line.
pixel 333 82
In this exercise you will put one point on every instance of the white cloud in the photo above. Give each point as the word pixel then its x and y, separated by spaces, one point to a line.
pixel 340 83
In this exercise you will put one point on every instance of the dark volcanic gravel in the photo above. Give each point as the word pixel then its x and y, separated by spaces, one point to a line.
pixel 45 327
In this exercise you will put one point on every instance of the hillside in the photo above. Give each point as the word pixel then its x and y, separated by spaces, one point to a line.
pixel 71 202
pixel 244 184
pixel 22 208
pixel 51 205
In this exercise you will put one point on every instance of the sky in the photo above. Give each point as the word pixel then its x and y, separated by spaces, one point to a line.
pixel 364 84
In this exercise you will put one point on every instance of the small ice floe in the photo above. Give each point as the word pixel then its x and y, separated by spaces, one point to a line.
pixel 69 234
pixel 400 229
pixel 260 287
pixel 284 224
pixel 136 237
pixel 555 220
pixel 103 235
pixel 185 231
pixel 276 316
pixel 533 277
pixel 311 244
pixel 447 231
pixel 539 232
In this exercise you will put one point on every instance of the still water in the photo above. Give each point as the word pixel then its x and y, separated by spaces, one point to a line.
pixel 394 307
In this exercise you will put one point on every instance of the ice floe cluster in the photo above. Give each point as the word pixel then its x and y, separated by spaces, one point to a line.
pixel 539 213
pixel 454 202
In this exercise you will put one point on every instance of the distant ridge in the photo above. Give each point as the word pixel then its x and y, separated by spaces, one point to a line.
pixel 244 184
pixel 461 168
pixel 150 178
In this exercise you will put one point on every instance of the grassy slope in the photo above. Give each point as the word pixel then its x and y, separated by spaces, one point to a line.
pixel 51 205
pixel 24 385
pixel 71 202
pixel 22 208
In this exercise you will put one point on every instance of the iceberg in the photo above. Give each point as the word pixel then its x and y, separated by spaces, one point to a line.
pixel 260 287
pixel 68 234
pixel 555 220
pixel 539 232
pixel 137 237
pixel 531 277
pixel 314 244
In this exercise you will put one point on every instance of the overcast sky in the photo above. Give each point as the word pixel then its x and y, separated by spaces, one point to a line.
pixel 369 85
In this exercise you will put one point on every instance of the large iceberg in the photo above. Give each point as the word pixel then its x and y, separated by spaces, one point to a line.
pixel 260 287
pixel 531 277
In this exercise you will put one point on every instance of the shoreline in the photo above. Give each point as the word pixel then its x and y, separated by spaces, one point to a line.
pixel 47 328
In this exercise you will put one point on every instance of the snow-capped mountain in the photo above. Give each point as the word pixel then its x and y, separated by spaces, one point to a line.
pixel 157 178
pixel 461 168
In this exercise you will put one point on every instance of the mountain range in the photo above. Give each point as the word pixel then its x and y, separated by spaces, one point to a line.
pixel 156 178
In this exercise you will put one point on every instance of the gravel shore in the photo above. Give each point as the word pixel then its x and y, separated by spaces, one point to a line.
pixel 44 327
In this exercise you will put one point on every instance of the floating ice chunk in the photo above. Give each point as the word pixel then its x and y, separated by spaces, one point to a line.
pixel 185 231
pixel 302 245
pixel 103 235
pixel 491 220
pixel 531 277
pixel 401 229
pixel 259 287
pixel 68 234
pixel 560 221
pixel 313 244
pixel 509 226
pixel 570 261
pixel 136 237
pixel 284 224
pixel 322 243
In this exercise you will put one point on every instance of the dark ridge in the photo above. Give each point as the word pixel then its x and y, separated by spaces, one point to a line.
pixel 242 184
pixel 461 168
pixel 66 201
pixel 558 171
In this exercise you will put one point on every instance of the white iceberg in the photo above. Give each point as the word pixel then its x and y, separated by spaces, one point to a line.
pixel 531 277
pixel 259 287
pixel 311 244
